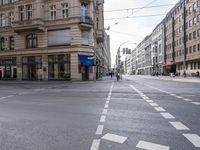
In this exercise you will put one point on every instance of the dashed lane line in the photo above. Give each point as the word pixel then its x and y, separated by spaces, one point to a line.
pixel 6 97
pixel 193 138
pixel 105 111
pixel 167 116
pixel 151 146
pixel 99 130
pixel 95 144
pixel 106 106
pixel 159 109
pixel 149 101
pixel 187 100
pixel 178 125
pixel 103 118
pixel 153 104
pixel 196 103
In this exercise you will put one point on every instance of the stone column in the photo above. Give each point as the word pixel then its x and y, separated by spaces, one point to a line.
pixel 45 67
pixel 19 67
pixel 75 75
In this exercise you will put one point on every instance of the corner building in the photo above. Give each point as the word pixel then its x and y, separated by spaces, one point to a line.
pixel 50 39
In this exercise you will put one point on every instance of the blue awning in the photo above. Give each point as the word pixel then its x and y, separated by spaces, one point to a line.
pixel 86 60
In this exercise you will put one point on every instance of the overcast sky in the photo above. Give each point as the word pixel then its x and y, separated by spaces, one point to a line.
pixel 132 29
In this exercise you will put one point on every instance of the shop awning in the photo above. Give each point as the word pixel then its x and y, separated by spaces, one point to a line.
pixel 86 60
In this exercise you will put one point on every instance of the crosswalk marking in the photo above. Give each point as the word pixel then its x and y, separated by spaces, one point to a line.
pixel 114 138
pixel 151 146
pixel 193 138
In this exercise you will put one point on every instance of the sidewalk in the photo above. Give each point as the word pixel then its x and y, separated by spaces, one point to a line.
pixel 179 79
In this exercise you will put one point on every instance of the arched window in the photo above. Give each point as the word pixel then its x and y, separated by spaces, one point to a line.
pixel 11 42
pixel 31 40
pixel 2 43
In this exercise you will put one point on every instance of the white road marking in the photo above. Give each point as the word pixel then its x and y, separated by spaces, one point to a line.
pixel 107 102
pixel 179 125
pixel 103 118
pixel 149 101
pixel 187 100
pixel 159 109
pixel 105 111
pixel 173 94
pixel 167 116
pixel 179 97
pixel 153 104
pixel 99 130
pixel 196 103
pixel 193 138
pixel 151 146
pixel 114 138
pixel 6 97
pixel 95 144
pixel 145 98
pixel 106 106
pixel 108 99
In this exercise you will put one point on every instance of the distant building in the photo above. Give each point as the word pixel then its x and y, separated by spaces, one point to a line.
pixel 174 45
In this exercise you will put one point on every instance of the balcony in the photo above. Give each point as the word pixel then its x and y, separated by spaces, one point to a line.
pixel 100 36
pixel 85 1
pixel 86 22
pixel 35 25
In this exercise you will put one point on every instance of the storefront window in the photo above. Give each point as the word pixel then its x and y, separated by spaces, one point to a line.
pixel 59 67
pixel 32 68
pixel 8 69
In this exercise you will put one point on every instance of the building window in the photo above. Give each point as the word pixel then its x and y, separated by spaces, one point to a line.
pixel 10 18
pixel 53 12
pixel 65 10
pixel 2 43
pixel 194 34
pixel 31 41
pixel 190 49
pixel 11 42
pixel 21 13
pixel 59 67
pixel 85 37
pixel 198 47
pixel 190 36
pixel 198 17
pixel 2 20
pixel 10 1
pixel 198 32
pixel 28 12
pixel 194 48
pixel 60 37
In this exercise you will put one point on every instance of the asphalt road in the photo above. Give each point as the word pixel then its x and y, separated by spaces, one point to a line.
pixel 132 114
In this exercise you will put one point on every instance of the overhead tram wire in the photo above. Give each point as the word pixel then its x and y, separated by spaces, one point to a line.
pixel 141 16
pixel 136 8
pixel 127 34
pixel 116 23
